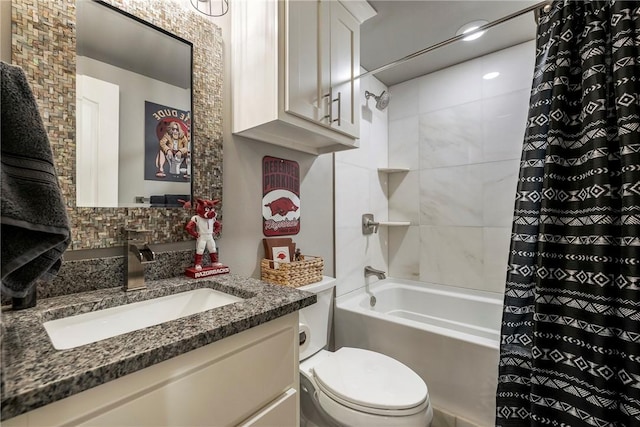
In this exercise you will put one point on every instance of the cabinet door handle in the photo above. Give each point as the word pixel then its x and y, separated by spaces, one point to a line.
pixel 330 115
pixel 339 109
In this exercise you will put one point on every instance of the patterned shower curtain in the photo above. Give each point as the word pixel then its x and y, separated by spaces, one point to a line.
pixel 570 346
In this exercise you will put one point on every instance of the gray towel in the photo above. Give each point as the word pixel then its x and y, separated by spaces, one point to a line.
pixel 35 228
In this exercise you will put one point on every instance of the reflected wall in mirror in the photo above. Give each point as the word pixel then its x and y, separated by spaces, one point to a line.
pixel 44 45
pixel 133 111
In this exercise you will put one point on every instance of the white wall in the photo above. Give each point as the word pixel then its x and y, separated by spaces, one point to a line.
pixel 240 244
pixel 461 138
pixel 361 189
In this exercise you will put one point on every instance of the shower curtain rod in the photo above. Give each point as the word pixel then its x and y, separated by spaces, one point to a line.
pixel 456 38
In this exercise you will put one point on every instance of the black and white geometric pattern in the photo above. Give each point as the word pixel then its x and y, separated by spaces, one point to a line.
pixel 570 347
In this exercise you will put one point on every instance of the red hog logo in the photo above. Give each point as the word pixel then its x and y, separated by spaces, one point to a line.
pixel 282 206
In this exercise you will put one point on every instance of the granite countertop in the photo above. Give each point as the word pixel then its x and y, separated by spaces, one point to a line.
pixel 35 374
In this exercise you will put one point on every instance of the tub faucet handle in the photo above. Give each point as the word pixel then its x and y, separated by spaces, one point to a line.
pixel 369 225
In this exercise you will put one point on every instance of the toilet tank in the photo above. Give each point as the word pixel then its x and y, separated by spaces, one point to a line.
pixel 315 319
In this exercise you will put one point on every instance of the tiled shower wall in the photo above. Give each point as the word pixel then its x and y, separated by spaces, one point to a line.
pixel 460 136
pixel 360 189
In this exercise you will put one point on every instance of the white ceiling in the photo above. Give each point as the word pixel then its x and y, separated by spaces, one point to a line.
pixel 403 27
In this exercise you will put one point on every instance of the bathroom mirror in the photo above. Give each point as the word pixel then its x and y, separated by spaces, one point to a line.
pixel 133 111
pixel 43 43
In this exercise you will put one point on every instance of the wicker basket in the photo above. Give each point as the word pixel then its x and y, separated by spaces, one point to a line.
pixel 293 274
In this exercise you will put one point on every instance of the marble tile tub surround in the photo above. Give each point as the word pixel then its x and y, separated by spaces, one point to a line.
pixel 461 138
pixel 361 189
pixel 35 374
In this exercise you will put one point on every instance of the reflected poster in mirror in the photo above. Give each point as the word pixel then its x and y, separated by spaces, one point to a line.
pixel 167 144
pixel 134 86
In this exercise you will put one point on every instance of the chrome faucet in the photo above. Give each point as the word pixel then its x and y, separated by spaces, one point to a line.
pixel 137 254
pixel 370 271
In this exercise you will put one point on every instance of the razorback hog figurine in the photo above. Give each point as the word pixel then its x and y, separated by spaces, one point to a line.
pixel 202 226
pixel 282 206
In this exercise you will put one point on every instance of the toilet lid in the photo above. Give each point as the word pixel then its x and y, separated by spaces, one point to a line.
pixel 370 380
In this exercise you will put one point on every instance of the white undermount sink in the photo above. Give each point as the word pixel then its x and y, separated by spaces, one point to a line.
pixel 74 331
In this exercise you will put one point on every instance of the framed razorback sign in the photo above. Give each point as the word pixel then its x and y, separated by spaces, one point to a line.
pixel 280 197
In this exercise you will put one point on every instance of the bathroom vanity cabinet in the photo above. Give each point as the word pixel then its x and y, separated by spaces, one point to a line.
pixel 294 69
pixel 247 379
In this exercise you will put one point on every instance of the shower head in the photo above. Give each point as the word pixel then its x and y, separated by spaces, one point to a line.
pixel 382 100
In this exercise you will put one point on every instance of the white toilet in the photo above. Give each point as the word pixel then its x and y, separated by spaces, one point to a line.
pixel 351 386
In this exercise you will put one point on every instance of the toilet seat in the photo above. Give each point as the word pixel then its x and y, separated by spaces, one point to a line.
pixel 371 382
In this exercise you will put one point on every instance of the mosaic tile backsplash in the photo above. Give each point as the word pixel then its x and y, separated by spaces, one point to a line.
pixel 91 274
pixel 44 45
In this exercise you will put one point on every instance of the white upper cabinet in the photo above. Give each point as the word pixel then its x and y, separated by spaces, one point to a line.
pixel 344 67
pixel 294 67
pixel 304 93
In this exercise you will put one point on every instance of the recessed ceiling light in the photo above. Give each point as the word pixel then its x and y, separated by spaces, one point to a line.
pixel 491 75
pixel 470 28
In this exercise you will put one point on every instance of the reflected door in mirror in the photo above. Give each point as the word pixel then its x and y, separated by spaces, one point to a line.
pixel 97 154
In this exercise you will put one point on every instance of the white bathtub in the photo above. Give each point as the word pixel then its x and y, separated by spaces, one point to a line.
pixel 448 335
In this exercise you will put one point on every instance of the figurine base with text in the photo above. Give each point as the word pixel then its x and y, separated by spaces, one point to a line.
pixel 207 271
pixel 203 226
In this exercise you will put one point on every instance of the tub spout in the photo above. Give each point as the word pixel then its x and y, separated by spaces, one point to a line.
pixel 370 271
